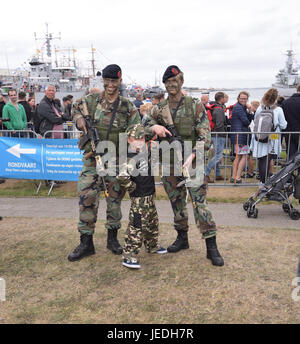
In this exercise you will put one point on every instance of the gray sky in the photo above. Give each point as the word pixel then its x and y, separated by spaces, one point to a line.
pixel 215 43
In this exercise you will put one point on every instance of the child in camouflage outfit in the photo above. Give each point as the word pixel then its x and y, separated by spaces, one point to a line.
pixel 143 218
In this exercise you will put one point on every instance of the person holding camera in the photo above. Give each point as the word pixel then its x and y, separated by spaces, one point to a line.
pixel 185 117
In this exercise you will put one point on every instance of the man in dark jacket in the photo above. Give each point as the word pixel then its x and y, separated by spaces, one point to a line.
pixel 50 113
pixel 67 107
pixel 291 109
pixel 22 100
pixel 2 104
pixel 218 141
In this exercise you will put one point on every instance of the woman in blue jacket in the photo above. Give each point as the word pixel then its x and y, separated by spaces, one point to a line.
pixel 240 123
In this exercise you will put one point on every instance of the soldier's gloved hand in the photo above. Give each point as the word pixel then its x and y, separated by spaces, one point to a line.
pixel 81 124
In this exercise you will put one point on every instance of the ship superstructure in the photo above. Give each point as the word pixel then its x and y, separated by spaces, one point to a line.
pixel 288 78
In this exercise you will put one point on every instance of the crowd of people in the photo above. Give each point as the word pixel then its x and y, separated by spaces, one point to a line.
pixel 23 118
pixel 20 115
pixel 239 118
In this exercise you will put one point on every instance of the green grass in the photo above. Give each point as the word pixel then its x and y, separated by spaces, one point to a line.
pixel 254 286
pixel 27 188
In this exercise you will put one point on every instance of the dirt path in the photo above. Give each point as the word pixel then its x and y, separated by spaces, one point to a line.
pixel 270 216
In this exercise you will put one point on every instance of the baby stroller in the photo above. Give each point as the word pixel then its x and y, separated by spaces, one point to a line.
pixel 279 188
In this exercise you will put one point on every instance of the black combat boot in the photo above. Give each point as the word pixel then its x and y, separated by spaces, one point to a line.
pixel 212 252
pixel 181 243
pixel 113 243
pixel 86 248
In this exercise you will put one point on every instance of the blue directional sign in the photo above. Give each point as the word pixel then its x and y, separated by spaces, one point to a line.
pixel 44 159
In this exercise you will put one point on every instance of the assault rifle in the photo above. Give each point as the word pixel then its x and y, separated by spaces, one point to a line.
pixel 185 171
pixel 91 135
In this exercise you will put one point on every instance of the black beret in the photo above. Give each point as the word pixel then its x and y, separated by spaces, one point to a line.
pixel 171 72
pixel 112 71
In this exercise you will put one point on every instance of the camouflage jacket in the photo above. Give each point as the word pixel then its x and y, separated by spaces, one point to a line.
pixel 101 110
pixel 200 126
pixel 98 108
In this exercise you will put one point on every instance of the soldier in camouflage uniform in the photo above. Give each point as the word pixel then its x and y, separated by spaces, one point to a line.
pixel 143 218
pixel 191 123
pixel 101 107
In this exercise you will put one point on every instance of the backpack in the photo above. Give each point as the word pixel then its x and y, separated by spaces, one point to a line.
pixel 263 122
pixel 209 110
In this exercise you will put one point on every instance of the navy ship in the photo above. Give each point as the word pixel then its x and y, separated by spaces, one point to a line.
pixel 288 78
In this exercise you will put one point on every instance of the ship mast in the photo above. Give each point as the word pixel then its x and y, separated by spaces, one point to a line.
pixel 74 60
pixel 48 38
pixel 93 60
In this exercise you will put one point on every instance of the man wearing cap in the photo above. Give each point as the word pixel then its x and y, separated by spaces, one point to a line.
pixel 112 114
pixel 188 119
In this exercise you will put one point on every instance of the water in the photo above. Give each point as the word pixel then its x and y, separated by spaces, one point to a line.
pixel 255 94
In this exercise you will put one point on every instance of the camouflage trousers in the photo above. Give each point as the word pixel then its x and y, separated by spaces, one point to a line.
pixel 178 197
pixel 142 227
pixel 89 187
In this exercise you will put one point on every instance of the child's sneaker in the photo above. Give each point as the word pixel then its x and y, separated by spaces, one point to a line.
pixel 161 250
pixel 131 263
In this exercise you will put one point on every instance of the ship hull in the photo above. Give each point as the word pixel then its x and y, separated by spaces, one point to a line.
pixel 285 91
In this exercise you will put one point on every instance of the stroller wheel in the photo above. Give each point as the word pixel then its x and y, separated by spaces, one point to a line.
pixel 246 206
pixel 255 213
pixel 252 213
pixel 248 203
pixel 294 214
pixel 286 208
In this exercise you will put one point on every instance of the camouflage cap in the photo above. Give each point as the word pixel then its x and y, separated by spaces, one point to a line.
pixel 136 130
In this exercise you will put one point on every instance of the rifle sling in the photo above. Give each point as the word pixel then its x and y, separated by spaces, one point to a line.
pixel 113 116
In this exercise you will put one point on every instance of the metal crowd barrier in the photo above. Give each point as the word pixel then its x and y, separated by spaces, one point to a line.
pixel 229 156
pixel 69 132
pixel 65 134
pixel 226 165
pixel 25 134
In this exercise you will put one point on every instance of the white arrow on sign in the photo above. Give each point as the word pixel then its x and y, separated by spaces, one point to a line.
pixel 17 151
